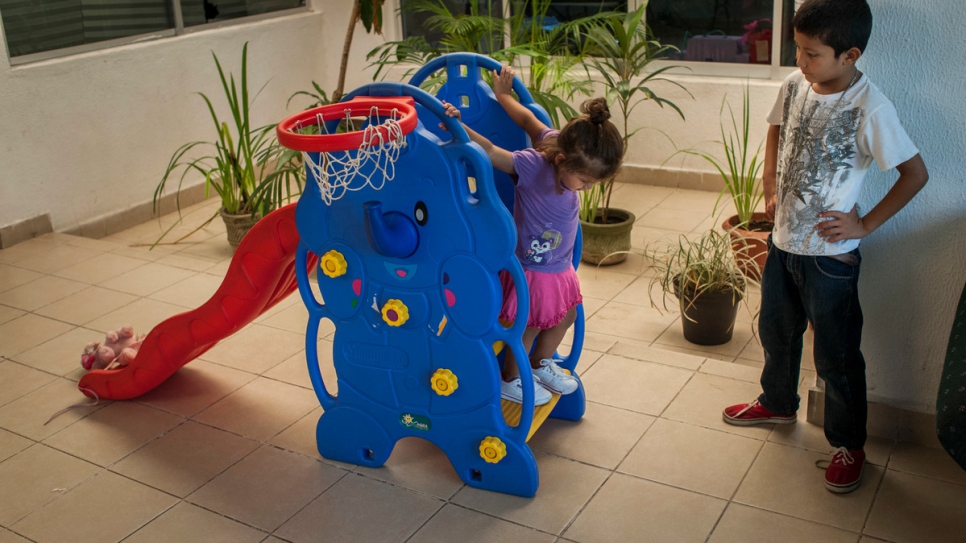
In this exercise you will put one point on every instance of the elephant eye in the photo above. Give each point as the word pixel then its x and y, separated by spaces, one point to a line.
pixel 421 214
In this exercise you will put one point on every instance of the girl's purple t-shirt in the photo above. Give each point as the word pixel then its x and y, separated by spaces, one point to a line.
pixel 546 222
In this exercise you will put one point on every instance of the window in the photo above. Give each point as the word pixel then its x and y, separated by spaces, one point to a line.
pixel 722 32
pixel 733 31
pixel 416 15
pixel 37 29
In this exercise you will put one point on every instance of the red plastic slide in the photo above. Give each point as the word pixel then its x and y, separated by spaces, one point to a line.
pixel 261 273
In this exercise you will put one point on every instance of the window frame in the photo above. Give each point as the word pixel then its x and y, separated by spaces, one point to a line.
pixel 178 30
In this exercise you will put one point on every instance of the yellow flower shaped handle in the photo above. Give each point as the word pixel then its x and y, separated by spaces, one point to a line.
pixel 395 313
pixel 444 382
pixel 492 450
pixel 333 264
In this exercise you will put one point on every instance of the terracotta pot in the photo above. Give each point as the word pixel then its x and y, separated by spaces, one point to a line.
pixel 237 225
pixel 601 240
pixel 751 248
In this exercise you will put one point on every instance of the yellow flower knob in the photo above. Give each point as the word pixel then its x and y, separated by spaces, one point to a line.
pixel 444 382
pixel 492 449
pixel 333 264
pixel 395 313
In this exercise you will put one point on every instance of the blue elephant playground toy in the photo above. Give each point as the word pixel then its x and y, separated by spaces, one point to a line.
pixel 412 233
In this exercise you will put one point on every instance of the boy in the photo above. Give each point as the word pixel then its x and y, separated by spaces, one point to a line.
pixel 827 126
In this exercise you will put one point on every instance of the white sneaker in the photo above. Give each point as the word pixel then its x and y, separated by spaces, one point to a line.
pixel 513 391
pixel 553 378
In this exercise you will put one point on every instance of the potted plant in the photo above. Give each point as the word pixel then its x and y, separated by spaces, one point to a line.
pixel 748 229
pixel 623 49
pixel 250 171
pixel 704 277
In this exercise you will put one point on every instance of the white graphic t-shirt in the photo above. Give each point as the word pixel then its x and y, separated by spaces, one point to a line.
pixel 825 149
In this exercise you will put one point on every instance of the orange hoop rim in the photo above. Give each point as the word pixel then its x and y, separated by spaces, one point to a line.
pixel 404 107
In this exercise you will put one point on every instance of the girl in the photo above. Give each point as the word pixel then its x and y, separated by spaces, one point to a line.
pixel 588 150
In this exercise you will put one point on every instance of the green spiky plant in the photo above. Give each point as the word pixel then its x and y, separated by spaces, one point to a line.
pixel 245 166
pixel 622 50
pixel 741 166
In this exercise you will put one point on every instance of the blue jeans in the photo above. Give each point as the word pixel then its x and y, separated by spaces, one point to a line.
pixel 798 289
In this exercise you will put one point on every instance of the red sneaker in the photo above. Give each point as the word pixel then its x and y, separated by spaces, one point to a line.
pixel 845 472
pixel 749 414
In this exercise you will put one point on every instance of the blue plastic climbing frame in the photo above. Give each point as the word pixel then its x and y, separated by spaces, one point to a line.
pixel 409 276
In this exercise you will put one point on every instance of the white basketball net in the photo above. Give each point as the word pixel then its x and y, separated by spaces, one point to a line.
pixel 371 165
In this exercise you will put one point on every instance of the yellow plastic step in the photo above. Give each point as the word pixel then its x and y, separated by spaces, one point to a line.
pixel 513 410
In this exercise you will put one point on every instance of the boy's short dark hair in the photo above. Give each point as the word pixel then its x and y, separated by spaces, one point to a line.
pixel 840 24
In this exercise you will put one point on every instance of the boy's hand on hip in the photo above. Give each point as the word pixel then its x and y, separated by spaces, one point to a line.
pixel 503 81
pixel 771 202
pixel 837 226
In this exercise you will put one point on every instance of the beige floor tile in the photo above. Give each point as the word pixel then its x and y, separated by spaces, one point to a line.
pixel 911 509
pixel 692 200
pixel 926 462
pixel 642 291
pixel 294 318
pixel 28 331
pixel 629 348
pixel 185 522
pixel 246 350
pixel 674 336
pixel 184 459
pixel 601 282
pixel 753 351
pixel 634 263
pixel 806 435
pixel 785 480
pixel 418 465
pixel 12 277
pixel 11 444
pixel 602 438
pixel 8 313
pixel 191 292
pixel 644 387
pixel 674 220
pixel 361 509
pixel 215 248
pixel 58 258
pixel 194 387
pixel 565 488
pixel 143 314
pixel 43 291
pixel 17 380
pixel 742 524
pixel 6 536
pixel 35 477
pixel 26 249
pixel 703 399
pixel 188 262
pixel 294 369
pixel 147 279
pixel 693 352
pixel 60 355
pixel 86 305
pixel 101 269
pixel 113 432
pixel 453 522
pixel 266 488
pixel 631 509
pixel 80 516
pixel 866 539
pixel 629 321
pixel 596 342
pixel 28 414
pixel 260 409
pixel 731 370
pixel 647 239
pixel 692 458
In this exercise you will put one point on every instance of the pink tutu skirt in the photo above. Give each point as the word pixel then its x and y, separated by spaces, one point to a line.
pixel 552 295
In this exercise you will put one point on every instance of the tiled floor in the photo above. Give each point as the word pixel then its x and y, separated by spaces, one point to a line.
pixel 224 451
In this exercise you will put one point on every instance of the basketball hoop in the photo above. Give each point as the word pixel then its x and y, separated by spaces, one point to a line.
pixel 355 159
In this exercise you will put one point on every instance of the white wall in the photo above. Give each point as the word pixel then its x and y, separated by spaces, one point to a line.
pixel 89 134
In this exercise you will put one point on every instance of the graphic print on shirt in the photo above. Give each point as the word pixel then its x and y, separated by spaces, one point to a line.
pixel 539 252
pixel 818 167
